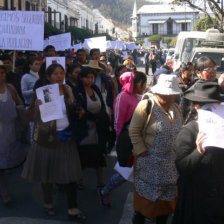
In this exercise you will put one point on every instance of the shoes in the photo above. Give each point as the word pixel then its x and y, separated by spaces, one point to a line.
pixel 50 211
pixel 104 199
pixel 80 217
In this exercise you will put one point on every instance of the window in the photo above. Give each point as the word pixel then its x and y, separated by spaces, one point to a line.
pixel 155 28
pixel 183 26
pixel 33 7
pixel 12 5
pixel 170 27
pixel 20 4
pixel 27 6
pixel 6 4
pixel 49 15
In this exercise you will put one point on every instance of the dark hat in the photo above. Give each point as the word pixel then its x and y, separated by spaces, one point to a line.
pixel 204 92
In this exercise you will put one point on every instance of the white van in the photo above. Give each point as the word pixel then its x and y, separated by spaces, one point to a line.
pixel 187 41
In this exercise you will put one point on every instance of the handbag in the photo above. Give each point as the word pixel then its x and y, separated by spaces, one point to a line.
pixel 124 146
pixel 21 124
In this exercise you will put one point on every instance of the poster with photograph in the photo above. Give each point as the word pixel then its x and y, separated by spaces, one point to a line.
pixel 211 122
pixel 55 60
pixel 51 107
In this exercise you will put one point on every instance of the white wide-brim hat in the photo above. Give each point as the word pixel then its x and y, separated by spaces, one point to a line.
pixel 166 85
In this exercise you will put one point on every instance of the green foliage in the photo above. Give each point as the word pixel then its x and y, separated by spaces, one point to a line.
pixel 118 10
pixel 79 34
pixel 173 42
pixel 205 23
pixel 76 33
pixel 167 40
pixel 140 42
pixel 155 38
pixel 49 30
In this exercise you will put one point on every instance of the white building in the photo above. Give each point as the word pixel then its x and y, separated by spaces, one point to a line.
pixel 62 14
pixel 102 25
pixel 163 19
pixel 86 16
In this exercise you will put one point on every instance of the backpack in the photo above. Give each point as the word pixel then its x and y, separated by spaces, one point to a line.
pixel 124 146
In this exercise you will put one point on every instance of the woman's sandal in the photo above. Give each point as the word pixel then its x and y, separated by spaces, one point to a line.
pixel 50 211
pixel 80 217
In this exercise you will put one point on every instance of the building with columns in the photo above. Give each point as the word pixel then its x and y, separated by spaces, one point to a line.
pixel 162 19
pixel 26 5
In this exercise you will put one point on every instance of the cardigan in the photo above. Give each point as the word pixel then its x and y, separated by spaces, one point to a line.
pixel 142 129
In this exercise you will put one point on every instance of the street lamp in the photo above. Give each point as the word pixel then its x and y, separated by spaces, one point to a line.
pixel 218 1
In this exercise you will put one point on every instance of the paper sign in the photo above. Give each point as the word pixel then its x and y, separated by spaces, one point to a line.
pixel 46 43
pixel 131 46
pixel 21 30
pixel 211 122
pixel 77 46
pixel 55 60
pixel 96 42
pixel 51 107
pixel 126 172
pixel 61 42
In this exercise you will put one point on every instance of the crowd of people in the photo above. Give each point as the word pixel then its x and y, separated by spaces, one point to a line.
pixel 102 97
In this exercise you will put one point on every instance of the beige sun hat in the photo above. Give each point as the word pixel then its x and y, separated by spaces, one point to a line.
pixel 166 85
pixel 93 64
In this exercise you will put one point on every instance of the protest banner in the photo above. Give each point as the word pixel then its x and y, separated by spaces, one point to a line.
pixel 61 42
pixel 21 30
pixel 131 46
pixel 96 42
pixel 77 46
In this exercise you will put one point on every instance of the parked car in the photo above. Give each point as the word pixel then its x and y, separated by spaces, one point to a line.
pixel 170 54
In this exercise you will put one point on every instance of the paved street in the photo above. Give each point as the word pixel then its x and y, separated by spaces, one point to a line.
pixel 26 207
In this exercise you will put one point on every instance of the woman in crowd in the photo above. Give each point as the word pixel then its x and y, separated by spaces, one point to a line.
pixel 134 85
pixel 29 79
pixel 201 170
pixel 153 138
pixel 94 125
pixel 72 74
pixel 27 86
pixel 12 152
pixel 53 157
pixel 206 69
pixel 185 81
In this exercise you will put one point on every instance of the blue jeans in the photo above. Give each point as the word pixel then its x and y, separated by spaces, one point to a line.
pixel 115 181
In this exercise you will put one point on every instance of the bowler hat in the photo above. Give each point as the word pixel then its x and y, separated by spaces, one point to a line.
pixel 204 92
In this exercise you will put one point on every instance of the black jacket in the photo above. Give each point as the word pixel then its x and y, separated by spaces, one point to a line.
pixel 201 181
pixel 101 119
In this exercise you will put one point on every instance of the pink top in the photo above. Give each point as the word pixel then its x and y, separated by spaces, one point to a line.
pixel 125 103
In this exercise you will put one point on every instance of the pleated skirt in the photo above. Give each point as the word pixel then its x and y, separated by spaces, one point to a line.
pixel 59 165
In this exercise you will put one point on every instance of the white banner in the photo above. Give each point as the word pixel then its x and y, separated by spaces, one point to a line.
pixel 132 46
pixel 77 46
pixel 21 30
pixel 96 42
pixel 61 42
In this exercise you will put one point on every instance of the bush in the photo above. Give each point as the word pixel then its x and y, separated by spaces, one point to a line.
pixel 49 30
pixel 155 38
pixel 140 42
pixel 173 42
pixel 167 40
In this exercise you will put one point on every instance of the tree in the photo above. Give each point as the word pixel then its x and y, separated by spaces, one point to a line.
pixel 155 38
pixel 213 5
pixel 140 42
pixel 205 23
pixel 173 42
pixel 167 40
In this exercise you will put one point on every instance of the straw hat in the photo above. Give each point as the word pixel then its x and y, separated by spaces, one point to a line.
pixel 166 85
pixel 93 64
